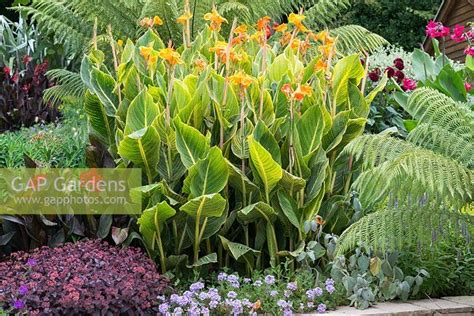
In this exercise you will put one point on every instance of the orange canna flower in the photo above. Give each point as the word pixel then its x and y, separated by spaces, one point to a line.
pixel 146 22
pixel 326 50
pixel 262 23
pixel 319 220
pixel 280 27
pixel 216 20
pixel 295 44
pixel 152 59
pixel 241 79
pixel 297 20
pixel 170 55
pixel 285 39
pixel 324 37
pixel 219 48
pixel 241 29
pixel 145 51
pixel 200 64
pixel 184 18
pixel 287 90
pixel 157 20
pixel 302 92
pixel 321 65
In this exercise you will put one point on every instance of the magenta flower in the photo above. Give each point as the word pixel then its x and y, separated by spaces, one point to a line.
pixel 469 51
pixel 409 84
pixel 458 34
pixel 436 30
pixel 399 64
pixel 468 86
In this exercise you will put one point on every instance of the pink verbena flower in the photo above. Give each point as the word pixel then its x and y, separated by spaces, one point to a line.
pixel 437 29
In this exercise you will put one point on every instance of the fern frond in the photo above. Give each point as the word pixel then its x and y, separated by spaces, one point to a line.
pixel 396 229
pixel 354 39
pixel 432 107
pixel 402 169
pixel 67 85
pixel 442 141
pixel 323 12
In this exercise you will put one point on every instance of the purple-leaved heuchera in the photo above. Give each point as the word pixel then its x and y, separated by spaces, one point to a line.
pixel 81 278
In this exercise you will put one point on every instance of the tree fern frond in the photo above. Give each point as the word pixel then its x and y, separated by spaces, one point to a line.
pixel 67 85
pixel 56 19
pixel 354 39
pixel 396 229
pixel 432 107
pixel 418 174
pixel 324 12
pixel 376 149
pixel 442 141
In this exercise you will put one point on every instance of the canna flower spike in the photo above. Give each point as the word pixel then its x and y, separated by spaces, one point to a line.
pixel 171 56
pixel 216 20
pixel 297 21
pixel 183 19
pixel 241 79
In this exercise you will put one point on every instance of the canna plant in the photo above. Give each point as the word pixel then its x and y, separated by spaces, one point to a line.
pixel 237 137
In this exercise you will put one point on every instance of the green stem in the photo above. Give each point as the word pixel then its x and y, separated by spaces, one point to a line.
pixel 160 244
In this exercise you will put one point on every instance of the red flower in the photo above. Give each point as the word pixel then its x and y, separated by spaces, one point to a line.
pixel 268 31
pixel 399 64
pixel 458 34
pixel 409 84
pixel 374 75
pixel 6 70
pixel 468 86
pixel 390 72
pixel 469 51
pixel 436 29
pixel 399 75
pixel 16 77
pixel 27 59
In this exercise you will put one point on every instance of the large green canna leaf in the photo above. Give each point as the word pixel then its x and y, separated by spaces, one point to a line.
pixel 348 69
pixel 310 130
pixel 141 112
pixel 239 251
pixel 211 205
pixel 240 181
pixel 103 85
pixel 292 182
pixel 191 144
pixel 268 170
pixel 289 208
pixel 102 124
pixel 143 149
pixel 262 134
pixel 207 176
pixel 151 222
pixel 212 258
pixel 257 211
pixel 337 131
